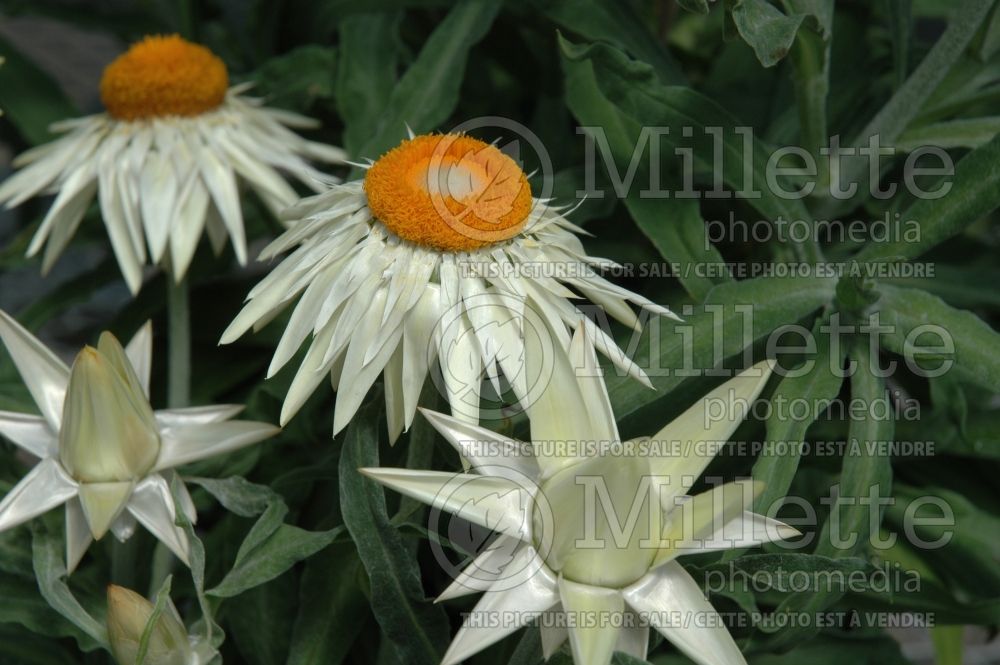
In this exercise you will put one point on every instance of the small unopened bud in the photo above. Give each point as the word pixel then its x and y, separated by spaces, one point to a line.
pixel 108 431
pixel 128 614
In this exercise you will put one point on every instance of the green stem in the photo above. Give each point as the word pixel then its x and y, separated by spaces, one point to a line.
pixel 178 343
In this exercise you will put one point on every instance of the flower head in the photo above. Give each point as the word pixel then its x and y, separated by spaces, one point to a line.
pixel 128 614
pixel 439 255
pixel 591 526
pixel 165 160
pixel 104 452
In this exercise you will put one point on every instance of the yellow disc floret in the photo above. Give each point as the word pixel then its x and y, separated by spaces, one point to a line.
pixel 449 192
pixel 163 76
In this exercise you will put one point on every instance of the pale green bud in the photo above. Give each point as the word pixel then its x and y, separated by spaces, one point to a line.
pixel 108 432
pixel 128 614
pixel 603 518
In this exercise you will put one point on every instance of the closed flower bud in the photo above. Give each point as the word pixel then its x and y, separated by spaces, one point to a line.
pixel 128 614
pixel 108 432
pixel 601 519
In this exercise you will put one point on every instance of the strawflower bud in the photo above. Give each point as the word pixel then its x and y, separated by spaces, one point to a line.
pixel 128 614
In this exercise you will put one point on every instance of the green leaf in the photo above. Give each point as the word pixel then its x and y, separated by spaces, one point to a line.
pixel 271 547
pixel 696 6
pixel 893 119
pixel 964 133
pixel 766 29
pixel 300 78
pixel 416 627
pixel 975 192
pixel 674 226
pixel 428 91
pixel 329 596
pixel 785 572
pixel 50 571
pixel 734 316
pixel 366 74
pixel 632 86
pixel 899 15
pixel 975 342
pixel 948 642
pixel 816 388
pixel 29 97
pixel 162 598
pixel 615 23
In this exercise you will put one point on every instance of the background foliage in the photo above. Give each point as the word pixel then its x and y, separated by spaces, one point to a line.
pixel 314 564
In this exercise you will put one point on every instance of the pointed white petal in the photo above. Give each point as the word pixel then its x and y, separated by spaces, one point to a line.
pixel 45 487
pixel 157 198
pixel 553 629
pixel 484 570
pixel 196 415
pixel 221 184
pixel 32 433
pixel 704 431
pixel 593 632
pixel 153 506
pixel 676 606
pixel 102 504
pixel 43 373
pixel 188 443
pixel 633 638
pixel 490 453
pixel 509 605
pixel 494 503
pixel 78 537
pixel 187 227
pixel 595 393
pixel 392 378
pixel 140 354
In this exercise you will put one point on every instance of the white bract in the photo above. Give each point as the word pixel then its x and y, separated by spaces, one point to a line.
pixel 168 642
pixel 440 254
pixel 163 178
pixel 588 541
pixel 104 452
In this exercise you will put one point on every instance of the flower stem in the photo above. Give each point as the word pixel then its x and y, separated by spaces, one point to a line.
pixel 179 343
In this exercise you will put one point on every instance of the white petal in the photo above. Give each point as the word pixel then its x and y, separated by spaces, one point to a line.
pixel 703 432
pixel 511 604
pixel 677 608
pixel 157 198
pixel 65 225
pixel 78 537
pixel 43 373
pixel 32 433
pixel 45 487
pixel 595 393
pixel 140 354
pixel 494 503
pixel 221 184
pixel 188 443
pixel 187 227
pixel 490 453
pixel 121 222
pixel 553 630
pixel 153 506
pixel 196 415
pixel 594 609
pixel 392 379
pixel 633 638
pixel 484 570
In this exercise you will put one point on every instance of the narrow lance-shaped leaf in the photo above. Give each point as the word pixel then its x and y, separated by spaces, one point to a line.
pixel 417 628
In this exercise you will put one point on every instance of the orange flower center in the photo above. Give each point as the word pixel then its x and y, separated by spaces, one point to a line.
pixel 163 76
pixel 449 192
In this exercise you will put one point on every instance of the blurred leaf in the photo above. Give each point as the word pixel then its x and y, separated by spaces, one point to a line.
pixel 416 627
pixel 768 31
pixel 900 20
pixel 975 343
pixel 947 644
pixel 696 6
pixel 964 133
pixel 300 78
pixel 428 91
pixel 366 74
pixel 29 97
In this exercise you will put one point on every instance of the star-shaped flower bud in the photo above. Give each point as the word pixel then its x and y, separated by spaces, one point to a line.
pixel 104 452
pixel 590 526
